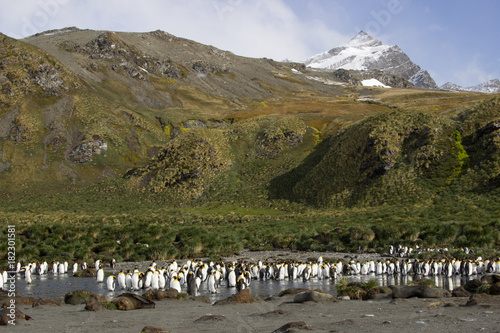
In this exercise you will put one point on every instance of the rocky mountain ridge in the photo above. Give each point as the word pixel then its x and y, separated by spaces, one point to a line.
pixel 365 52
pixel 491 86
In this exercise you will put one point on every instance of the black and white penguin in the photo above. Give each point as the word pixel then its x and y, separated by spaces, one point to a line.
pixel 110 283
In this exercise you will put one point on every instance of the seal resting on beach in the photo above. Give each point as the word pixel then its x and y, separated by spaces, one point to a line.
pixel 128 301
pixel 418 291
pixel 313 296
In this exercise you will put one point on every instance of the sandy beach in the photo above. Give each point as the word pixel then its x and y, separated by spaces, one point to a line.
pixel 388 315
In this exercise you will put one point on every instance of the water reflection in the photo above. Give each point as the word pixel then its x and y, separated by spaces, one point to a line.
pixel 56 286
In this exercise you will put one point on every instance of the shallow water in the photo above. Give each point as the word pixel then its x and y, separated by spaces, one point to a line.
pixel 56 286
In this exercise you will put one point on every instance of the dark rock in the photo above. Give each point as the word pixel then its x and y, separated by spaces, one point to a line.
pixel 210 318
pixel 460 292
pixel 418 291
pixel 291 327
pixel 77 297
pixel 490 278
pixel 483 300
pixel 243 296
pixel 472 285
pixel 495 289
pixel 87 272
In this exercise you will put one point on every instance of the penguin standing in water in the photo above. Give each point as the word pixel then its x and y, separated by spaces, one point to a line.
pixel 100 275
pixel 110 283
pixel 241 284
pixel 192 285
pixel 135 281
pixel 122 280
pixel 27 275
pixel 155 280
pixel 231 278
pixel 128 280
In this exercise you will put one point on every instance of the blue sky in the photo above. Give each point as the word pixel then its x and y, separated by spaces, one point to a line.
pixel 455 40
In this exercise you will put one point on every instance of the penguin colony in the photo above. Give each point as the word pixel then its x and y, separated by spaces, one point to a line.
pixel 194 276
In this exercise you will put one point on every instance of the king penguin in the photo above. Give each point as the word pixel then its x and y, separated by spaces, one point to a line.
pixel 110 283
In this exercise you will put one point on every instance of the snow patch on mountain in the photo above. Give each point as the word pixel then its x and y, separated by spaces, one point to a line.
pixel 373 83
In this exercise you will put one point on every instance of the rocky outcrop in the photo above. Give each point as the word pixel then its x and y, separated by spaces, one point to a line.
pixel 77 297
pixel 48 78
pixel 85 151
pixel 242 296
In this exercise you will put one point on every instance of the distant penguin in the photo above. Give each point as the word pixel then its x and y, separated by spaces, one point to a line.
pixel 97 264
pixel 61 269
pixel 75 268
pixel 110 283
pixel 4 277
pixel 27 276
pixel 100 275
pixel 112 263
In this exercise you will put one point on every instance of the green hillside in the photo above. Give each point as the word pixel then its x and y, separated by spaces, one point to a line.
pixel 148 146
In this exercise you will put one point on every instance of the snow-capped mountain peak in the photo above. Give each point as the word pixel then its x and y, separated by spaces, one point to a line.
pixel 365 52
pixel 362 39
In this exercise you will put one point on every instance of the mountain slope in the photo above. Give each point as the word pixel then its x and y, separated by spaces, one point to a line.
pixel 491 86
pixel 365 52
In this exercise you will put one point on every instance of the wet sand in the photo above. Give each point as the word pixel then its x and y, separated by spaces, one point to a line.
pixel 399 315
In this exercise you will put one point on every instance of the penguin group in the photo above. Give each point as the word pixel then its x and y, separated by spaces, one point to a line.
pixel 195 276
pixel 31 269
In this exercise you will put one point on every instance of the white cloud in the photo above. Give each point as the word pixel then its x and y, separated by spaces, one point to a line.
pixel 474 73
pixel 255 28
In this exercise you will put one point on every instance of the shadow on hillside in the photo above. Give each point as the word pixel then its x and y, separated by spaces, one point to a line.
pixel 282 187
